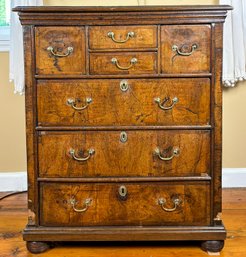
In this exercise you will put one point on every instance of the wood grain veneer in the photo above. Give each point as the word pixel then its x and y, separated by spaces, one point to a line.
pixel 112 158
pixel 136 106
pixel 68 65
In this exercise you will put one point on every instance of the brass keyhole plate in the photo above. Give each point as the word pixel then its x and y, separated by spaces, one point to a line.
pixel 122 192
pixel 123 137
pixel 124 85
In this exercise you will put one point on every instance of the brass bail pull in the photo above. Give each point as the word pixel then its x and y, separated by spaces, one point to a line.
pixel 176 49
pixel 81 159
pixel 73 103
pixel 87 203
pixel 129 35
pixel 132 62
pixel 69 51
pixel 163 104
pixel 175 152
pixel 176 203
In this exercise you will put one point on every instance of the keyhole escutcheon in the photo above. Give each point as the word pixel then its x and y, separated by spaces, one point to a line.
pixel 124 85
pixel 123 137
pixel 122 192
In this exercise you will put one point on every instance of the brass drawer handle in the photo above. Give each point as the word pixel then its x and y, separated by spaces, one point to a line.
pixel 81 159
pixel 176 202
pixel 176 49
pixel 157 152
pixel 87 203
pixel 72 102
pixel 69 51
pixel 130 34
pixel 132 62
pixel 161 104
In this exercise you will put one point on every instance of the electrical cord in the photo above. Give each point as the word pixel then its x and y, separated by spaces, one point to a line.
pixel 13 193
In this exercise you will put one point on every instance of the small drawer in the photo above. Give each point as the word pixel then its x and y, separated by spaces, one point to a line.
pixel 138 204
pixel 122 37
pixel 60 50
pixel 185 48
pixel 124 102
pixel 123 63
pixel 146 153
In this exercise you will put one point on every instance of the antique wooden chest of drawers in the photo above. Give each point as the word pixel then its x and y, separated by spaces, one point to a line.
pixel 123 110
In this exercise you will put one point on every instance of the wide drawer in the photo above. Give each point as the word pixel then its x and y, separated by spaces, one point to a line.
pixel 123 102
pixel 123 63
pixel 120 37
pixel 60 50
pixel 115 204
pixel 185 48
pixel 124 153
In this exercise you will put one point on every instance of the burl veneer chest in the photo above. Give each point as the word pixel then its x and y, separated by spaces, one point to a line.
pixel 123 110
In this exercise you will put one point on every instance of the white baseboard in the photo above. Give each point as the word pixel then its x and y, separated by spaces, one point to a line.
pixel 17 181
pixel 233 177
pixel 13 181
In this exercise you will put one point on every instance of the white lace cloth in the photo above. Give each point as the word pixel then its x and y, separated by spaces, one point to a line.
pixel 234 51
pixel 16 56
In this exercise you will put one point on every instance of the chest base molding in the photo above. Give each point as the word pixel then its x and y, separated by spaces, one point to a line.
pixel 122 233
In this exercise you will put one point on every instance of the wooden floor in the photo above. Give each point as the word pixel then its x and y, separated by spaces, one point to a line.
pixel 13 216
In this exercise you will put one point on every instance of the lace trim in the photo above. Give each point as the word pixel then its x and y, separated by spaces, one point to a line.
pixel 232 82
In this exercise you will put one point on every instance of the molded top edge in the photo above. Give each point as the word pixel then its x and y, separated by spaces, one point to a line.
pixel 151 8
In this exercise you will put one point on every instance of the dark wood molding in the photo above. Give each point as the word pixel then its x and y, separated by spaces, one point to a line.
pixel 147 8
pixel 117 76
pixel 143 14
pixel 101 128
pixel 122 233
pixel 203 177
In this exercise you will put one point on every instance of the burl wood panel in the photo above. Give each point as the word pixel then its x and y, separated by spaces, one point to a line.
pixel 139 208
pixel 184 36
pixel 144 37
pixel 111 106
pixel 217 119
pixel 135 157
pixel 60 38
pixel 30 111
pixel 101 63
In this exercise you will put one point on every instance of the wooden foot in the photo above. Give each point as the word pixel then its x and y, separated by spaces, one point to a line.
pixel 37 247
pixel 212 246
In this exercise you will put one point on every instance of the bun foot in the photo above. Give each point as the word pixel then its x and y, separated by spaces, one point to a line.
pixel 37 247
pixel 212 246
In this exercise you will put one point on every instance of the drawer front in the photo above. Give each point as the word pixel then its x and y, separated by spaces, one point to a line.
pixel 123 63
pixel 122 37
pixel 185 48
pixel 142 204
pixel 124 153
pixel 123 102
pixel 60 50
